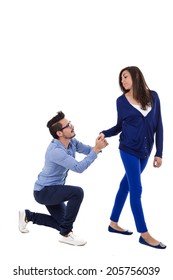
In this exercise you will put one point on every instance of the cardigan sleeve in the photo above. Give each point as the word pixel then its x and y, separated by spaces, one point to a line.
pixel 118 127
pixel 159 132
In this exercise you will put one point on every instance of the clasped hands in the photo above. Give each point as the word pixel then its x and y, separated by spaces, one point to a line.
pixel 100 143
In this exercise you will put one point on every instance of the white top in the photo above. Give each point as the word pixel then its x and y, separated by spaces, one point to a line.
pixel 143 112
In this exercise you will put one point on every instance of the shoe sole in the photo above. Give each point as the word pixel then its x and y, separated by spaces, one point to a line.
pixel 72 244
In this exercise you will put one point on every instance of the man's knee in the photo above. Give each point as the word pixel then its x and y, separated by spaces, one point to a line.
pixel 79 193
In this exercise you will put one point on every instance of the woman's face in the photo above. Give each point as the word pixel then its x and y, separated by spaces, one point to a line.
pixel 126 80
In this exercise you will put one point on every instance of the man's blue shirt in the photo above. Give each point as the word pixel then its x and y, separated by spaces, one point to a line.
pixel 59 160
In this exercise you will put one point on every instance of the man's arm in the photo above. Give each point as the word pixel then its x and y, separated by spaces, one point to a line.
pixel 60 157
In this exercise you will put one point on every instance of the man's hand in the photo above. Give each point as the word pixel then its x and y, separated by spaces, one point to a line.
pixel 100 144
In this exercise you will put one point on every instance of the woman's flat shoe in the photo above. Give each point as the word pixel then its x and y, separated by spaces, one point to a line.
pixel 125 232
pixel 159 246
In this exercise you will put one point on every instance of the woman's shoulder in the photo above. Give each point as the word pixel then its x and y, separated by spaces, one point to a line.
pixel 154 93
pixel 121 98
pixel 155 97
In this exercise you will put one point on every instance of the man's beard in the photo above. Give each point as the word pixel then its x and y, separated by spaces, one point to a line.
pixel 70 136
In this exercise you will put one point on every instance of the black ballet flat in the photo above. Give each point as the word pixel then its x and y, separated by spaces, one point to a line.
pixel 159 246
pixel 125 232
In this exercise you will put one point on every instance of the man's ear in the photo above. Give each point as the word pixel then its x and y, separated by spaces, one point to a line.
pixel 59 133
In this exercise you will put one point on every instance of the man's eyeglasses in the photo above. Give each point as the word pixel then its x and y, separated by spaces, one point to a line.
pixel 68 125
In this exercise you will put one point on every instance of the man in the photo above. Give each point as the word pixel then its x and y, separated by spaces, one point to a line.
pixel 50 189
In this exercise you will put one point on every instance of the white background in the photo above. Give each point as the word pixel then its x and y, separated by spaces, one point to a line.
pixel 67 55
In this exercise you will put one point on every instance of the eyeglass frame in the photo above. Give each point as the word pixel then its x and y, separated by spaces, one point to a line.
pixel 67 125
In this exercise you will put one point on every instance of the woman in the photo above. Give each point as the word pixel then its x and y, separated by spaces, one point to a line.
pixel 139 121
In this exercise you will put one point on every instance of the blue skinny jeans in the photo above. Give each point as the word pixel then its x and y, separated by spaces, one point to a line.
pixel 131 183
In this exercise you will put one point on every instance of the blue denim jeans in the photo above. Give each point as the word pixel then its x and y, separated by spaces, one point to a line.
pixel 62 202
pixel 131 183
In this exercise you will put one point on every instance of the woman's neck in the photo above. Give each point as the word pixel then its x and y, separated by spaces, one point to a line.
pixel 131 99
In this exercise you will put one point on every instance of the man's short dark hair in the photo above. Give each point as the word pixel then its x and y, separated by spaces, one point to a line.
pixel 54 124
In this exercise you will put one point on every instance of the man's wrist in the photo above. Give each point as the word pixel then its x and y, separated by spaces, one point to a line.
pixel 96 150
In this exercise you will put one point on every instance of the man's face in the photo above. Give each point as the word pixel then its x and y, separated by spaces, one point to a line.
pixel 67 131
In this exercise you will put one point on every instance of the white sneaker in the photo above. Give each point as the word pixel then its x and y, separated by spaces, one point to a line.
pixel 22 222
pixel 72 240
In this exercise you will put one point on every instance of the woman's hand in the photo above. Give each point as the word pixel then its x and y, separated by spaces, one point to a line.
pixel 157 162
pixel 102 135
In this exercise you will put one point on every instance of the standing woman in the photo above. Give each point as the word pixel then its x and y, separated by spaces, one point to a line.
pixel 139 122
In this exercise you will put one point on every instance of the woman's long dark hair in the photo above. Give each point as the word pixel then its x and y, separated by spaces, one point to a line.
pixel 141 91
